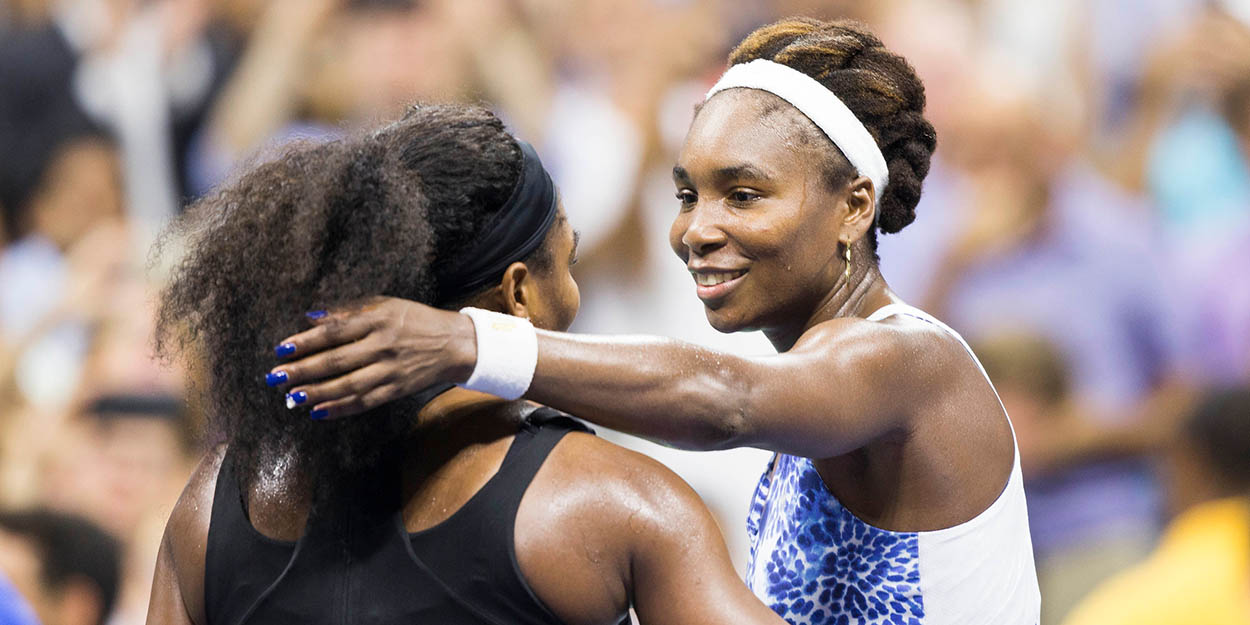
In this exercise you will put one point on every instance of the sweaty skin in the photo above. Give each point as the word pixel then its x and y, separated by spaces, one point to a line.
pixel 897 417
pixel 600 528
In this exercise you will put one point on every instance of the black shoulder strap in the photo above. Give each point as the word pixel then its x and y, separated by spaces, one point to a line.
pixel 226 513
pixel 542 431
pixel 542 416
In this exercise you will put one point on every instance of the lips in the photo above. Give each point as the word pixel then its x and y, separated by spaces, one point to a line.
pixel 713 285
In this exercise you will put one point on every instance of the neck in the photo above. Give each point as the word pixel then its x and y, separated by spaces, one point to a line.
pixel 457 421
pixel 863 293
pixel 460 416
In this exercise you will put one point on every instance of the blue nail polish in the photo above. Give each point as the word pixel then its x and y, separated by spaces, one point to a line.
pixel 285 349
pixel 319 414
pixel 316 314
pixel 296 398
pixel 275 378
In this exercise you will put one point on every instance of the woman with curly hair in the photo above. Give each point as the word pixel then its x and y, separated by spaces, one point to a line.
pixel 895 495
pixel 447 507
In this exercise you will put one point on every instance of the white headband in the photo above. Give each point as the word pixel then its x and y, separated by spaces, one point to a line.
pixel 819 105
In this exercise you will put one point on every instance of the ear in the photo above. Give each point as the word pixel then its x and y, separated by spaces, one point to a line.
pixel 861 209
pixel 517 290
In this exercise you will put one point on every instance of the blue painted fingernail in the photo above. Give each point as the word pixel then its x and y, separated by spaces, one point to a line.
pixel 295 399
pixel 319 414
pixel 285 349
pixel 275 378
pixel 316 314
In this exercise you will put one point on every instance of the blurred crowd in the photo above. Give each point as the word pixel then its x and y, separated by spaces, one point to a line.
pixel 1086 224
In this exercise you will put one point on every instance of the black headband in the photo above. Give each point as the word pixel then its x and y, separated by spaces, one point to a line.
pixel 511 234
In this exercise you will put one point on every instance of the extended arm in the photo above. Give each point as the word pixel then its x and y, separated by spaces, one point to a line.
pixel 820 399
pixel 844 383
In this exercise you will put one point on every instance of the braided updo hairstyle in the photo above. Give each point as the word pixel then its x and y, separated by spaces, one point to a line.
pixel 879 87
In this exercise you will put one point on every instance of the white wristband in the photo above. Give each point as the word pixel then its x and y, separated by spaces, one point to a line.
pixel 507 353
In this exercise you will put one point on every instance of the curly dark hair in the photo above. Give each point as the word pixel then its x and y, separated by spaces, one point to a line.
pixel 325 225
pixel 880 87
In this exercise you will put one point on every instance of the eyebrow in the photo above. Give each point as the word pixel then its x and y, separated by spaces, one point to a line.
pixel 742 171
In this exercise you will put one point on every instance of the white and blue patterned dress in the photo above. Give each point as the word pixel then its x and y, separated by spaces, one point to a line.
pixel 816 563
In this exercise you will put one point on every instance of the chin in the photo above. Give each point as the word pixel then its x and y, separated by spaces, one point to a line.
pixel 723 323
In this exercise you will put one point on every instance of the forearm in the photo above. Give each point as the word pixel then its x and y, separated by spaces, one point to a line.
pixel 661 389
pixel 697 398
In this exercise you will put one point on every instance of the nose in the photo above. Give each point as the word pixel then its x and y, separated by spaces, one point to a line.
pixel 703 235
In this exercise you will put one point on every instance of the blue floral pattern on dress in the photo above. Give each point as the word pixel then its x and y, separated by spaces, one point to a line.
pixel 815 563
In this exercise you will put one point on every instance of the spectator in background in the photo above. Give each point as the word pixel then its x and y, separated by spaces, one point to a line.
pixel 54 277
pixel 310 66
pixel 1198 171
pixel 71 186
pixel 1185 144
pixel 144 70
pixel 122 466
pixel 1186 141
pixel 141 450
pixel 1033 381
pixel 64 565
pixel 1200 571
pixel 1069 457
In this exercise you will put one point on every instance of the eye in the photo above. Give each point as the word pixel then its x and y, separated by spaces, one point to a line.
pixel 743 196
pixel 688 198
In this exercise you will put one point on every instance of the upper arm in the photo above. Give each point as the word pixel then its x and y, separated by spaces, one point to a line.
pixel 844 384
pixel 166 604
pixel 178 585
pixel 681 569
pixel 602 527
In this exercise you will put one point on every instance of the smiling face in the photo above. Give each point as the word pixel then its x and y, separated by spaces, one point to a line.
pixel 760 219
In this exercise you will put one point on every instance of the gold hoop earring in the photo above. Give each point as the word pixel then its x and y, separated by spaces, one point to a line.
pixel 847 255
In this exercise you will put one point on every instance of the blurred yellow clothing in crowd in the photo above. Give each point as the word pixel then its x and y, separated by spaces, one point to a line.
pixel 1199 574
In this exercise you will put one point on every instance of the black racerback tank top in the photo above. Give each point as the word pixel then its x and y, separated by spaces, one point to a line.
pixel 359 565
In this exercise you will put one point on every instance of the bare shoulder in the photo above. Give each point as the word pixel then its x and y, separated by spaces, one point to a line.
pixel 186 533
pixel 904 370
pixel 192 512
pixel 639 489
pixel 925 350
pixel 592 507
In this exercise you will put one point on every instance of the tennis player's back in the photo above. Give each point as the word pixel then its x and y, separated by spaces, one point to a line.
pixel 551 526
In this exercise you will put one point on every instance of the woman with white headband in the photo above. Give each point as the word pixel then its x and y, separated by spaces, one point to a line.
pixel 895 494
